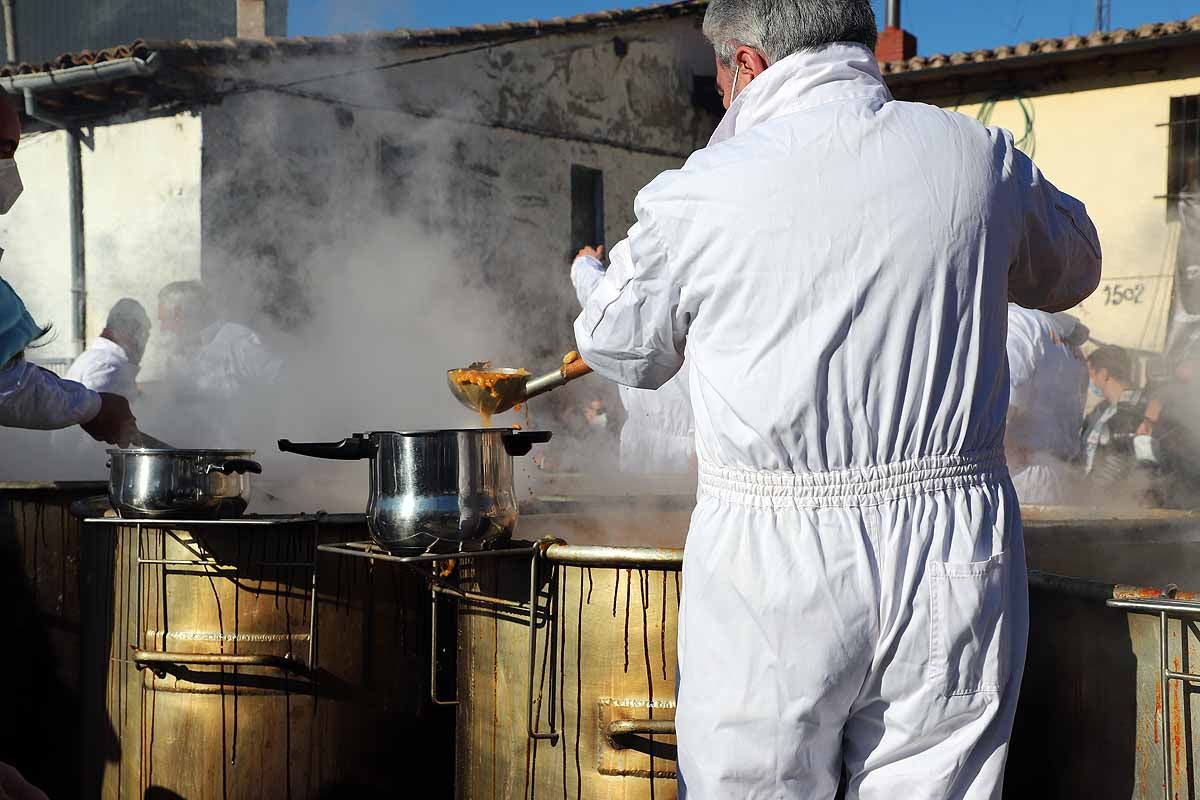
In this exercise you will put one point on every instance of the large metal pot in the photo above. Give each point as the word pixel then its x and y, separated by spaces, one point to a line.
pixel 434 486
pixel 566 673
pixel 180 484
pixel 232 659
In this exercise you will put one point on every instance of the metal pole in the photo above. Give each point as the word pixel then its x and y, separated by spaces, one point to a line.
pixel 1165 667
pixel 78 258
pixel 893 13
pixel 1103 15
pixel 10 33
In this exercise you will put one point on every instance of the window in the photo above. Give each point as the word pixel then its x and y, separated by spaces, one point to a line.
pixel 587 207
pixel 1183 166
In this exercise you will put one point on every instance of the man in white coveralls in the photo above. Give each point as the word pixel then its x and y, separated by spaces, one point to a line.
pixel 838 265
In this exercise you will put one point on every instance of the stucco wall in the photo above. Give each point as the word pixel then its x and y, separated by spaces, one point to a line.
pixel 1107 146
pixel 141 215
pixel 141 221
pixel 34 235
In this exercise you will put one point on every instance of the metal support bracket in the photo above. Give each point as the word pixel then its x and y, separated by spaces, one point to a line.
pixel 1166 609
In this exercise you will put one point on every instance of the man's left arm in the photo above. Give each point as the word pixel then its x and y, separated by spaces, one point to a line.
pixel 631 330
pixel 1058 262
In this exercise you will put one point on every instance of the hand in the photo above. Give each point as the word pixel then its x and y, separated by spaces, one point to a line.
pixel 15 787
pixel 596 252
pixel 115 424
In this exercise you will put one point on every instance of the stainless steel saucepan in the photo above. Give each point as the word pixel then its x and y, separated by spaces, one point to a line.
pixel 434 486
pixel 183 484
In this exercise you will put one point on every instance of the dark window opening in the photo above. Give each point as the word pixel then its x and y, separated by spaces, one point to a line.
pixel 587 208
pixel 1183 165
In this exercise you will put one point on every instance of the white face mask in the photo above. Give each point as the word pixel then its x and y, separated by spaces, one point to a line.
pixel 10 184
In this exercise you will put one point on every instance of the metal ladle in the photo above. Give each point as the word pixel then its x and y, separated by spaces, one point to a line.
pixel 498 390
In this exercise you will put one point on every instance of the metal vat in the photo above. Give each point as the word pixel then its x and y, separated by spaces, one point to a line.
pixel 577 697
pixel 1093 717
pixel 231 659
pixel 40 669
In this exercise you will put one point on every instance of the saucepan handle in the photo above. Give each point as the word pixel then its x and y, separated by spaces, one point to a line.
pixel 519 443
pixel 352 449
pixel 235 466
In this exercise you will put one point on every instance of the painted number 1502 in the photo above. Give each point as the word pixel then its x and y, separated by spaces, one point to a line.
pixel 1116 294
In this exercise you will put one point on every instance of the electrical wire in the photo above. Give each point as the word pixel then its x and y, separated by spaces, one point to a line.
pixel 1028 139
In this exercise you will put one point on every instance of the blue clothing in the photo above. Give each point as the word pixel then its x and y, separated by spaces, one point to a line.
pixel 17 328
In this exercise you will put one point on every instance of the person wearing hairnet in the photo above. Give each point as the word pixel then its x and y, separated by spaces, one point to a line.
pixel 658 436
pixel 1048 380
pixel 837 265
pixel 113 361
pixel 30 396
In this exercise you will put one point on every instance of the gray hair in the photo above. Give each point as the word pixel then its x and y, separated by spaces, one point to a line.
pixel 778 28
pixel 128 317
pixel 191 296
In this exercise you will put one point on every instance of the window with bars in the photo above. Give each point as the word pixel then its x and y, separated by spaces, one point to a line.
pixel 1183 167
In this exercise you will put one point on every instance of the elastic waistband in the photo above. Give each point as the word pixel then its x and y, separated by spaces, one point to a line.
pixel 851 488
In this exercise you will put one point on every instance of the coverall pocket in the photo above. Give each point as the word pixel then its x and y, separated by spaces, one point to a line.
pixel 969 626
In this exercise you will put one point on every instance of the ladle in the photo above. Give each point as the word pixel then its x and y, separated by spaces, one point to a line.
pixel 489 390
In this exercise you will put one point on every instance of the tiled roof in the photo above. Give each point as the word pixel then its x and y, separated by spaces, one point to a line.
pixel 238 49
pixel 1162 31
pixel 203 53
pixel 138 49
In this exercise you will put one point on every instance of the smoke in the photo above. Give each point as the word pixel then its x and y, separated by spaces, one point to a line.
pixel 365 251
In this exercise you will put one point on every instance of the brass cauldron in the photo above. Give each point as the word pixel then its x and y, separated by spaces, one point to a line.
pixel 585 706
pixel 233 659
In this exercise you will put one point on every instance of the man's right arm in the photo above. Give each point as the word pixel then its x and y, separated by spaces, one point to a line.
pixel 1057 264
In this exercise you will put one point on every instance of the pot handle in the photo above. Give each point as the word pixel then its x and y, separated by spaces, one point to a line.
pixel 235 466
pixel 519 443
pixel 352 449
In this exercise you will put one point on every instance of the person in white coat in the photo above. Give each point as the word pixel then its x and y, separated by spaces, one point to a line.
pixel 837 265
pixel 658 437
pixel 1048 380
pixel 113 361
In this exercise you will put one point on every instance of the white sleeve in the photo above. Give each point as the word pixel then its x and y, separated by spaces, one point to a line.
pixel 37 399
pixel 1057 265
pixel 630 330
pixel 586 273
pixel 1023 348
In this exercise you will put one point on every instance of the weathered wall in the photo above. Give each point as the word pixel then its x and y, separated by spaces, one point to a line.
pixel 141 215
pixel 34 235
pixel 1102 138
pixel 477 148
pixel 141 223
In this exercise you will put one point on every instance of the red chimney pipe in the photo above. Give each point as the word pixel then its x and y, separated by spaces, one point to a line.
pixel 895 43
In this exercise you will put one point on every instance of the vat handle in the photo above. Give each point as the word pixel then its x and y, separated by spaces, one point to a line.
pixel 631 734
pixel 531 719
pixel 641 727
pixel 157 661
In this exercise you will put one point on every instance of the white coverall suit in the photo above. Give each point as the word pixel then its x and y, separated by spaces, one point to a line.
pixel 1047 390
pixel 838 264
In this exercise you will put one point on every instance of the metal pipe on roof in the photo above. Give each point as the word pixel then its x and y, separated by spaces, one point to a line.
pixel 82 75
pixel 10 33
pixel 893 13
